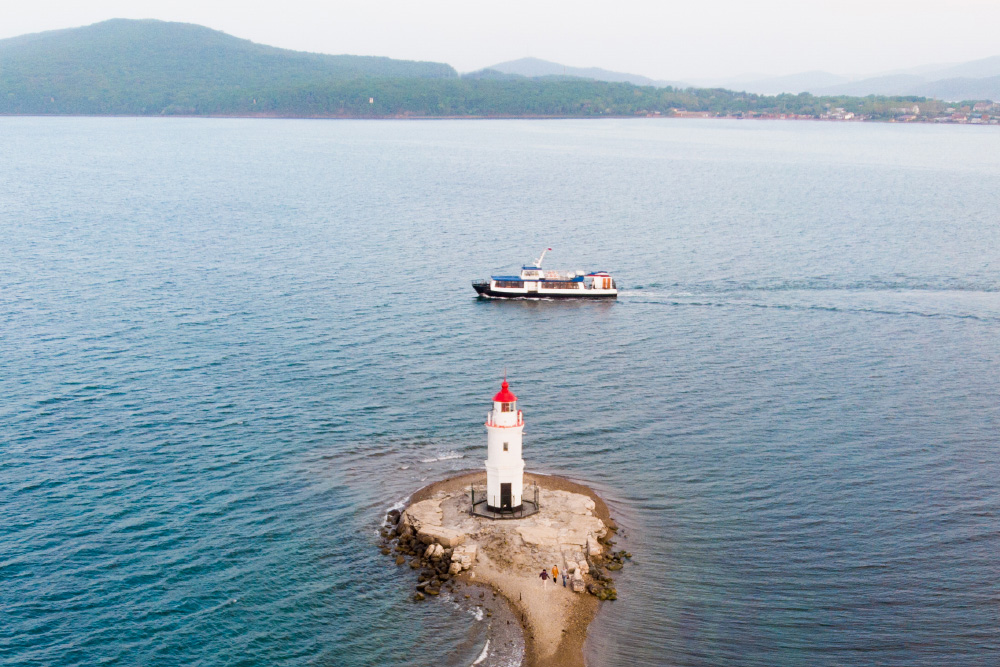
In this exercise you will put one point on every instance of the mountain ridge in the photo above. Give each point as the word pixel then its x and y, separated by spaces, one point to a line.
pixel 149 67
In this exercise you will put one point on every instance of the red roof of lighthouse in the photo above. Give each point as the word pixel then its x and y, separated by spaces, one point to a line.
pixel 505 395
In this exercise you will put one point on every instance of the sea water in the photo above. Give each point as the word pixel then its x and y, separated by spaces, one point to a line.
pixel 229 346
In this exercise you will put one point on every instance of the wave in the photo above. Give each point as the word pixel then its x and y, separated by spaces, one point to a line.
pixel 819 283
pixel 399 505
pixel 666 300
pixel 447 456
pixel 482 656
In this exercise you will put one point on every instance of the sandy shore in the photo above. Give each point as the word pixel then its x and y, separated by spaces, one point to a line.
pixel 553 618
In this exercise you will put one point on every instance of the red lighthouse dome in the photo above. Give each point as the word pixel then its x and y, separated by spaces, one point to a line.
pixel 505 395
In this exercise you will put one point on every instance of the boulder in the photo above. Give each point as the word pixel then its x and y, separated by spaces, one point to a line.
pixel 593 547
pixel 400 560
pixel 577 584
pixel 446 537
pixel 465 555
pixel 454 568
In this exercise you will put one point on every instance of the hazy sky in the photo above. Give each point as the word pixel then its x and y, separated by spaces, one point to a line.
pixel 665 39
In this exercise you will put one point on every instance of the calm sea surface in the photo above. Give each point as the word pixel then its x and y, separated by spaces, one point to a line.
pixel 228 346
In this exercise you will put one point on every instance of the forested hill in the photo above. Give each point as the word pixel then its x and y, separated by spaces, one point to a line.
pixel 126 66
pixel 150 68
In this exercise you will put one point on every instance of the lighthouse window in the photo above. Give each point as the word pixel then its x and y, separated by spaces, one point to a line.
pixel 505 446
pixel 506 407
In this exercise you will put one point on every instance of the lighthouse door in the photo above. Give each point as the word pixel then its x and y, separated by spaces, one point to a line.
pixel 505 496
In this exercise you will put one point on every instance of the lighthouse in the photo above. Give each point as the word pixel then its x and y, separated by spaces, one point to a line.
pixel 504 465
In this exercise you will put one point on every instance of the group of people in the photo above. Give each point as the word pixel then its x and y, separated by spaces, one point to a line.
pixel 545 576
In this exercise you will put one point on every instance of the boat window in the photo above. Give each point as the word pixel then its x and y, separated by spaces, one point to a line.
pixel 505 446
pixel 510 283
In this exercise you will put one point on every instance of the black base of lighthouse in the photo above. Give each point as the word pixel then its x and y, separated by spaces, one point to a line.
pixel 501 510
pixel 483 509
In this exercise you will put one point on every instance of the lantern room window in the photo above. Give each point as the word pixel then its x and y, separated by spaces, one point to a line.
pixel 506 407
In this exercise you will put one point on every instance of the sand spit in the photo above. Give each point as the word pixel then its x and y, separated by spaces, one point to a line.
pixel 570 532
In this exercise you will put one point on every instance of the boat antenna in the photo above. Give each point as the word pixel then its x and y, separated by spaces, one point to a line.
pixel 538 262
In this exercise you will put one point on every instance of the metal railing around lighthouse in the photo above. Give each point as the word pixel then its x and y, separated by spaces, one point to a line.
pixel 480 507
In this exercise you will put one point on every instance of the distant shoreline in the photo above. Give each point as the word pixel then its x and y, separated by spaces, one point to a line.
pixel 691 116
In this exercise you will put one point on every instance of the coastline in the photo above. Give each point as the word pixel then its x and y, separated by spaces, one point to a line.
pixel 553 637
pixel 692 115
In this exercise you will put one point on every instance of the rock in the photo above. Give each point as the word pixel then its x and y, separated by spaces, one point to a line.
pixel 446 537
pixel 577 584
pixel 386 551
pixel 614 566
pixel 393 516
pixel 444 576
pixel 418 596
pixel 465 555
pixel 593 547
pixel 423 584
pixel 400 560
pixel 454 568
pixel 432 591
pixel 414 564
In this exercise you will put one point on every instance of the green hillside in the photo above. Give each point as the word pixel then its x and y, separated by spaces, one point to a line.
pixel 151 67
pixel 155 68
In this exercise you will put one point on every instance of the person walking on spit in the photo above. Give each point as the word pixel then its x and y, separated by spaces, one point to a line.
pixel 555 574
pixel 545 577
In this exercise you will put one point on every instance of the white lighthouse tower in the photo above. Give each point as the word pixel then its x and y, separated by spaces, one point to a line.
pixel 504 465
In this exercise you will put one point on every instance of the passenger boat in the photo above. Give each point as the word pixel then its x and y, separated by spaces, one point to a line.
pixel 536 283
